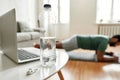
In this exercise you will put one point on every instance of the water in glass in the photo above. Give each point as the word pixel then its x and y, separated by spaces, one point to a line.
pixel 48 51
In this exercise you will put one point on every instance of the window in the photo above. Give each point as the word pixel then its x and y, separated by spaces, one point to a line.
pixel 108 11
pixel 60 10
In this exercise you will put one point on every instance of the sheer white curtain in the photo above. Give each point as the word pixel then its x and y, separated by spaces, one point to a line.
pixel 116 10
pixel 33 13
pixel 108 10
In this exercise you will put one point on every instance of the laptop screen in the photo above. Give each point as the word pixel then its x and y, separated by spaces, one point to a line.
pixel 8 29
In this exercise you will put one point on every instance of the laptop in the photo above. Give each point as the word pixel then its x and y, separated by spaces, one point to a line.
pixel 8 29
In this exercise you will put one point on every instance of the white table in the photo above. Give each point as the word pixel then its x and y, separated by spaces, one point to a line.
pixel 12 71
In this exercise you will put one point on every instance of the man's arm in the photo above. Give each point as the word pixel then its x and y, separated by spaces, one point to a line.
pixel 101 58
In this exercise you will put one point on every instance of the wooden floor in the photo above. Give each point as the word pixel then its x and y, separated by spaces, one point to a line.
pixel 82 70
pixel 85 70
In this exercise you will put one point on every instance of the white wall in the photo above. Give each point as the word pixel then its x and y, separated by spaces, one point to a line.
pixel 21 7
pixel 5 5
pixel 26 10
pixel 82 17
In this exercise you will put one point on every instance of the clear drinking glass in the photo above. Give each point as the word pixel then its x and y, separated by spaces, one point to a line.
pixel 48 51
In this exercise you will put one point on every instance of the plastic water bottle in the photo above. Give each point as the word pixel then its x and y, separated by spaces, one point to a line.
pixel 48 40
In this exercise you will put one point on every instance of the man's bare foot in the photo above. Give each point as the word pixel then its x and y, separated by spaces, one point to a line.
pixel 36 45
pixel 58 45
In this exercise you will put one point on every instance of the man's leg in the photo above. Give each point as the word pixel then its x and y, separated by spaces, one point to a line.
pixel 67 44
pixel 58 45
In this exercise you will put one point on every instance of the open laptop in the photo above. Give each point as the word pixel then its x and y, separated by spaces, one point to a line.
pixel 8 29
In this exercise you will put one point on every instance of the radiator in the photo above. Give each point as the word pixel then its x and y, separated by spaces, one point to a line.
pixel 109 29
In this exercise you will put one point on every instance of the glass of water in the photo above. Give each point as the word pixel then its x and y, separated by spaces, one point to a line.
pixel 48 51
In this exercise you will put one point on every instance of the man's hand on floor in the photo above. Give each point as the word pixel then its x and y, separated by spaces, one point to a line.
pixel 109 53
pixel 116 59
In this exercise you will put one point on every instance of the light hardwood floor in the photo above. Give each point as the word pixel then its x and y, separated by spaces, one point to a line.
pixel 85 70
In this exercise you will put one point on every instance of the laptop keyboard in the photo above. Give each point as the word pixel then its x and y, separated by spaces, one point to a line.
pixel 24 55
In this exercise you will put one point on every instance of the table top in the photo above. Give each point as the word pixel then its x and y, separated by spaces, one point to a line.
pixel 12 71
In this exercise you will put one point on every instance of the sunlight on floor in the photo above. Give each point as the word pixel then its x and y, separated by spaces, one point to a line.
pixel 112 67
